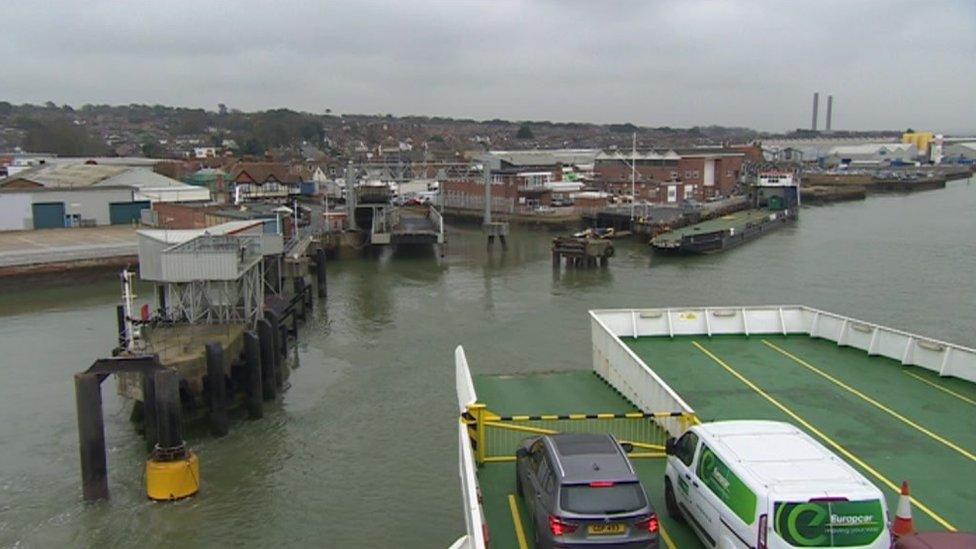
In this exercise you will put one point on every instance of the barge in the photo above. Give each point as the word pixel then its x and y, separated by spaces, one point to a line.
pixel 895 405
pixel 775 203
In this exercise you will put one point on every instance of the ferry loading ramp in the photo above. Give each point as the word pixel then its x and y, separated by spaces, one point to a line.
pixel 895 405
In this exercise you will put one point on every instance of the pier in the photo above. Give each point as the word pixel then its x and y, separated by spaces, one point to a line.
pixel 581 252
pixel 219 336
pixel 407 226
pixel 53 250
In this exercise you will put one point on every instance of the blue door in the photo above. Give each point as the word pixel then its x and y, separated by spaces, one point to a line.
pixel 48 215
pixel 126 213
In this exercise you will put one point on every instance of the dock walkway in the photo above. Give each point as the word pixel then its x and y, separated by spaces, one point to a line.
pixel 48 246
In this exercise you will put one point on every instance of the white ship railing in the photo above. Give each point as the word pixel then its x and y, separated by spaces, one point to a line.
pixel 474 521
pixel 462 376
pixel 613 359
pixel 621 368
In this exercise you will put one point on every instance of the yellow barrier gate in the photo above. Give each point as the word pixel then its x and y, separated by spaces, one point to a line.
pixel 495 438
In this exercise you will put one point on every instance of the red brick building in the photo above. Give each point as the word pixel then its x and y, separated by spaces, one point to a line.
pixel 672 176
pixel 181 216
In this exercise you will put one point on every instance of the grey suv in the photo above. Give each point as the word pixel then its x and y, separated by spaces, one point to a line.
pixel 581 491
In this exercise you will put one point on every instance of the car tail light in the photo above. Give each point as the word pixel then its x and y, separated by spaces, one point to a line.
pixel 484 533
pixel 650 524
pixel 558 527
pixel 762 532
pixel 601 484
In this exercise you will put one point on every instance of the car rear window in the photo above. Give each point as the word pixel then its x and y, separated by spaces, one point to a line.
pixel 586 499
pixel 829 523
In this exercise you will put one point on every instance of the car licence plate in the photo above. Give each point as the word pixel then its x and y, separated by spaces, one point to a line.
pixel 606 529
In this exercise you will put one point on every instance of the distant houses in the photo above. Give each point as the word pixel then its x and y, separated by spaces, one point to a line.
pixel 262 180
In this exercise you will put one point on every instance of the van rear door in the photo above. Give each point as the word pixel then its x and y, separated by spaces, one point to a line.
pixel 829 522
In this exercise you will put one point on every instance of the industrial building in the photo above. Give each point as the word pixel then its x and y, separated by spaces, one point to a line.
pixel 86 195
pixel 963 152
pixel 869 155
pixel 671 176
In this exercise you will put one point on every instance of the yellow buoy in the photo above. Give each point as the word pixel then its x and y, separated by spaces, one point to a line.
pixel 172 479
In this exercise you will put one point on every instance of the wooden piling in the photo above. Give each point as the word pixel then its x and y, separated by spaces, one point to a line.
pixel 320 273
pixel 283 347
pixel 169 414
pixel 268 358
pixel 255 393
pixel 299 312
pixel 120 323
pixel 217 389
pixel 149 410
pixel 280 345
pixel 275 321
pixel 91 437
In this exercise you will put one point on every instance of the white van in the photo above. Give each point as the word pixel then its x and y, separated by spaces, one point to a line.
pixel 767 484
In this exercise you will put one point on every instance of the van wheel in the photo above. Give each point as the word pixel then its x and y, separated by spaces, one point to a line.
pixel 672 504
pixel 518 484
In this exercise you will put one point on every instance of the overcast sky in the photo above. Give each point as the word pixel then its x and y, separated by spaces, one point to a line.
pixel 888 64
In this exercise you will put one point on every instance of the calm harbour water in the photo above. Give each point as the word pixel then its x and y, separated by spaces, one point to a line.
pixel 361 450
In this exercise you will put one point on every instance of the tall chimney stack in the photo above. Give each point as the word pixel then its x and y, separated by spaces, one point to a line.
pixel 816 106
pixel 830 109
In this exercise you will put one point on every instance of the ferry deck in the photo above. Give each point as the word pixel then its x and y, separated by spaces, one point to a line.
pixel 912 417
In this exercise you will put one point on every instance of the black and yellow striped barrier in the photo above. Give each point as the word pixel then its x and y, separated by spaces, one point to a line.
pixel 495 437
pixel 552 417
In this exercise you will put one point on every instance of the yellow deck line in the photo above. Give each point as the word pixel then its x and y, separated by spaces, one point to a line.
pixel 517 521
pixel 665 536
pixel 843 451
pixel 941 388
pixel 934 436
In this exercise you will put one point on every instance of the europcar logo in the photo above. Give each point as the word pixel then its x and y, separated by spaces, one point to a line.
pixel 710 467
pixel 851 520
pixel 805 519
pixel 829 524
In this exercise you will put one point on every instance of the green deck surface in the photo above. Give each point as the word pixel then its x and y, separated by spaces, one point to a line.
pixel 724 223
pixel 555 393
pixel 942 478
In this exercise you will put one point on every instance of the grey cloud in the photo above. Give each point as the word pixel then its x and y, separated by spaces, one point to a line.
pixel 888 64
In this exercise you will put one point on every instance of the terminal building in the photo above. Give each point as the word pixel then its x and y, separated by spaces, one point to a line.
pixel 86 195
